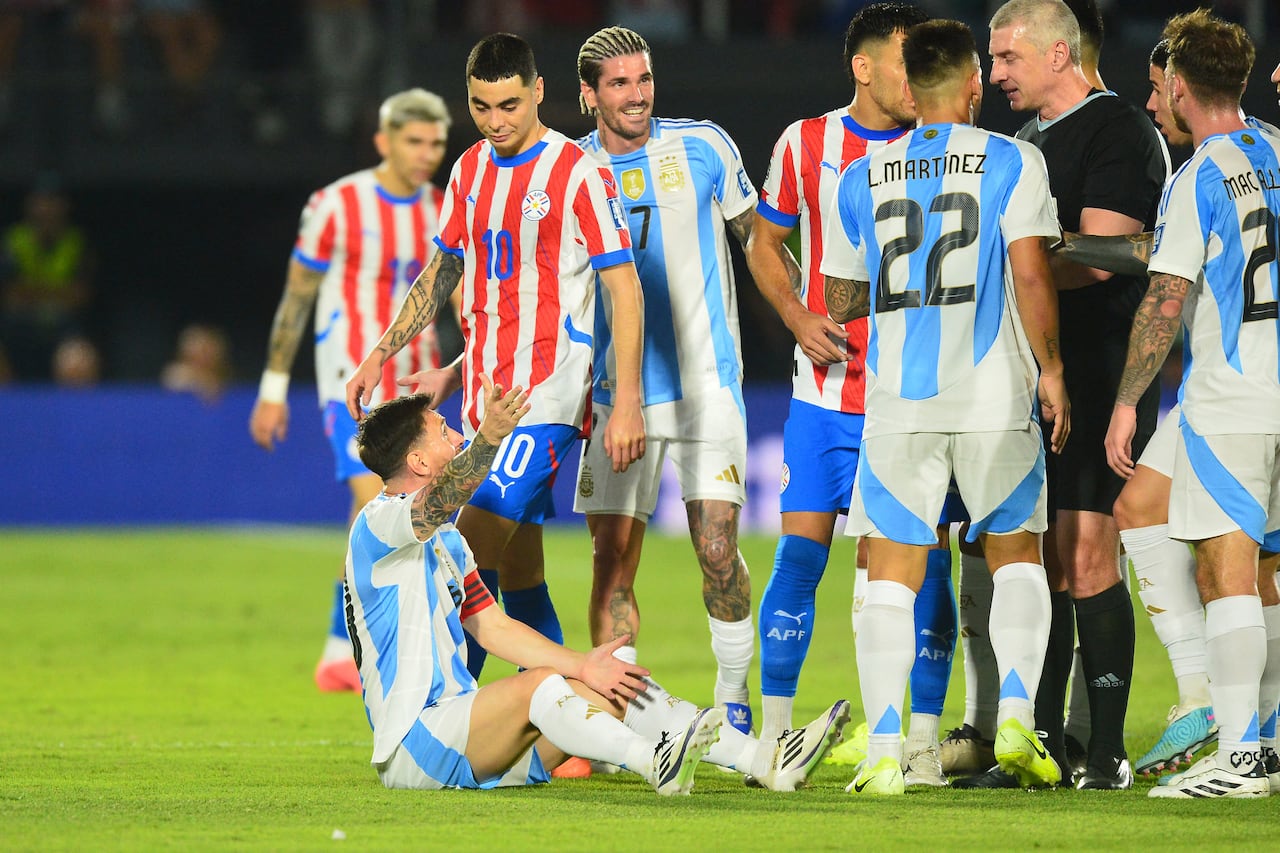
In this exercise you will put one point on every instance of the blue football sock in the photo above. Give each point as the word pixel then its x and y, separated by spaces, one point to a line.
pixel 935 636
pixel 533 607
pixel 338 622
pixel 475 653
pixel 786 613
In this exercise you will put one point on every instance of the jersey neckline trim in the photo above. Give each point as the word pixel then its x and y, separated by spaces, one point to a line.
pixel 391 198
pixel 1042 125
pixel 867 133
pixel 517 159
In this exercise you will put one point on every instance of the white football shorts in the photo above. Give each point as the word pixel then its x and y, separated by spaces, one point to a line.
pixel 706 438
pixel 1223 483
pixel 433 754
pixel 902 483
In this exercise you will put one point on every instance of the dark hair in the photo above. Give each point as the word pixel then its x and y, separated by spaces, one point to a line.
pixel 500 56
pixel 1089 16
pixel 609 43
pixel 386 433
pixel 874 23
pixel 1160 54
pixel 935 51
pixel 1213 56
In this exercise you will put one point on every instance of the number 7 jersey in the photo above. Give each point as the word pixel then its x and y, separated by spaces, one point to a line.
pixel 531 231
pixel 928 220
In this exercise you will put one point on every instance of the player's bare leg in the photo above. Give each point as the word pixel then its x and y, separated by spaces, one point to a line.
pixel 616 543
pixel 726 592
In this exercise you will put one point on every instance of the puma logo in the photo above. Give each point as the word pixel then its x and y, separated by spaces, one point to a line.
pixel 789 616
pixel 501 485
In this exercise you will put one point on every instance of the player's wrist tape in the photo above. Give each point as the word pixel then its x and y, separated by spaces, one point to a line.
pixel 274 387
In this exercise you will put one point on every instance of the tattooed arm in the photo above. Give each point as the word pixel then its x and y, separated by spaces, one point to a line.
pixel 847 300
pixel 269 422
pixel 1155 325
pixel 458 480
pixel 1038 306
pixel 428 294
pixel 781 282
pixel 1126 254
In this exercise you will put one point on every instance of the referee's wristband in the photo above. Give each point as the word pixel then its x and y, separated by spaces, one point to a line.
pixel 274 387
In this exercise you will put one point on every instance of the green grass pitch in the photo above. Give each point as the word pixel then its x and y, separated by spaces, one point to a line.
pixel 159 694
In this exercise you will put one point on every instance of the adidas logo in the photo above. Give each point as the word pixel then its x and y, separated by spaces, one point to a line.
pixel 1108 680
pixel 730 475
pixel 662 756
pixel 738 717
pixel 792 748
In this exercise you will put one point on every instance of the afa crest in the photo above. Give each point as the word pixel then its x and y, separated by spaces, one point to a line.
pixel 670 175
pixel 633 183
pixel 536 205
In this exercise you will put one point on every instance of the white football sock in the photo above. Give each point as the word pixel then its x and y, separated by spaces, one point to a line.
pixel 1236 638
pixel 859 594
pixel 885 653
pixel 1019 630
pixel 777 716
pixel 579 728
pixel 656 711
pixel 733 644
pixel 981 676
pixel 1166 572
pixel 922 731
pixel 1269 690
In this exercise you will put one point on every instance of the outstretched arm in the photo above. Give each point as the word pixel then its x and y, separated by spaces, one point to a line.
pixel 1126 254
pixel 780 281
pixel 429 292
pixel 436 502
pixel 269 422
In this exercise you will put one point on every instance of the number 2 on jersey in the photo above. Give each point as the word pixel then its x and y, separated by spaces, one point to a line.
pixel 913 217
pixel 499 252
pixel 1260 257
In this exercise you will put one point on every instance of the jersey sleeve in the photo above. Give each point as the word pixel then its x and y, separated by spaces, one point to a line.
pixel 738 194
pixel 453 214
pixel 844 250
pixel 780 192
pixel 389 520
pixel 1125 169
pixel 1030 209
pixel 317 228
pixel 601 221
pixel 1180 238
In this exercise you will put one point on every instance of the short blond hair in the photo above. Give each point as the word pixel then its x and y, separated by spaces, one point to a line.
pixel 412 105
pixel 1044 22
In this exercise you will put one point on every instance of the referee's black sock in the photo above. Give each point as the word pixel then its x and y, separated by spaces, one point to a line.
pixel 1105 623
pixel 1051 696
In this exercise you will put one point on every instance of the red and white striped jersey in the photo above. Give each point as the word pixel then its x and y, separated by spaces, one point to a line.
pixel 807 160
pixel 370 245
pixel 531 230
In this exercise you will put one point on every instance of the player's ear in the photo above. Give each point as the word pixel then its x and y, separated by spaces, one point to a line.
pixel 861 69
pixel 588 95
pixel 537 91
pixel 383 143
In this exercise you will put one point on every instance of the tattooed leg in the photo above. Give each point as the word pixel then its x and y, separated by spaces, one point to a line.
pixel 726 584
pixel 616 541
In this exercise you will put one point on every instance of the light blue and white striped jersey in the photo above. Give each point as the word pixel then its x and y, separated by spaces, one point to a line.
pixel 928 220
pixel 678 190
pixel 1219 228
pixel 404 604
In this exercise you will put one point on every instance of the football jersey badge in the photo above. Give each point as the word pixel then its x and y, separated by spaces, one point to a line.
pixel 536 205
pixel 670 175
pixel 633 183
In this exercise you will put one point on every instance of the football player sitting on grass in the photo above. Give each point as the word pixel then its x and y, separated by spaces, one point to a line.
pixel 412 589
